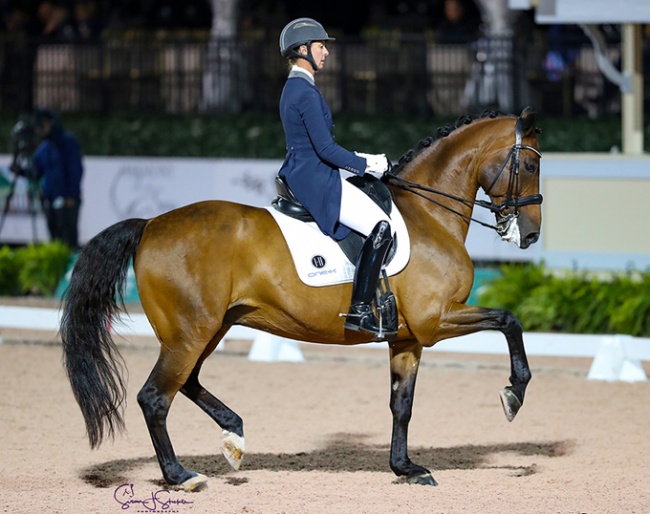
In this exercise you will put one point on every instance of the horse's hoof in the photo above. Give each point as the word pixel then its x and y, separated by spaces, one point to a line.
pixel 510 402
pixel 195 484
pixel 423 479
pixel 233 448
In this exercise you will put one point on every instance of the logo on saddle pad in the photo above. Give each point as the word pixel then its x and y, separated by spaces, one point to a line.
pixel 320 261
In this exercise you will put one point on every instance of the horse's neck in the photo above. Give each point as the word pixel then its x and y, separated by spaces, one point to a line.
pixel 443 168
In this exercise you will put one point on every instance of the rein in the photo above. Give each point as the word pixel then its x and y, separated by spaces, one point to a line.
pixel 415 188
pixel 510 200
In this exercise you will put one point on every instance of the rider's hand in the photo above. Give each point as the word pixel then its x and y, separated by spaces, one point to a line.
pixel 376 164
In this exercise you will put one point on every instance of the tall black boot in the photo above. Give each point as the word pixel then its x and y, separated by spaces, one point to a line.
pixel 366 277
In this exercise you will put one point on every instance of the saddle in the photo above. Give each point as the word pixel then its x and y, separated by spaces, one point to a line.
pixel 384 303
pixel 288 204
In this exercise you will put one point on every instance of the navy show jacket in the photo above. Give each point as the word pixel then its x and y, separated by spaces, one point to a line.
pixel 311 167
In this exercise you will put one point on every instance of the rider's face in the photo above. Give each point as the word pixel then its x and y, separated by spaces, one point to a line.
pixel 319 53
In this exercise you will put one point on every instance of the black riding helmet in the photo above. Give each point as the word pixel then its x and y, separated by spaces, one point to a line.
pixel 302 31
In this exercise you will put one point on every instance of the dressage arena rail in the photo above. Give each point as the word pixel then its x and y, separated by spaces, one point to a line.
pixel 615 357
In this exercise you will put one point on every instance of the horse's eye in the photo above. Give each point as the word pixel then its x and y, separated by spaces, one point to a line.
pixel 530 168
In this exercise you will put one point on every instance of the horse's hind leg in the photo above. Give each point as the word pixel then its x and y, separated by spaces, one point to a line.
pixel 232 425
pixel 155 398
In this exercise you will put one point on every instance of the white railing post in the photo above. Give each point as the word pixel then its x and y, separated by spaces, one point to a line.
pixel 612 361
pixel 269 348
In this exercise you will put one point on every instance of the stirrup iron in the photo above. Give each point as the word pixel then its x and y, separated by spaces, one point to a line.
pixel 382 312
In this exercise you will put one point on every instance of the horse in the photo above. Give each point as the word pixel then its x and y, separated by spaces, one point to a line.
pixel 204 267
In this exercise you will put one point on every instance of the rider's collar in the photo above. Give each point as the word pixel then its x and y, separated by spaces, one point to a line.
pixel 297 71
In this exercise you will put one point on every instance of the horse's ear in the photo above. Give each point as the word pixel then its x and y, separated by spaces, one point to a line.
pixel 528 118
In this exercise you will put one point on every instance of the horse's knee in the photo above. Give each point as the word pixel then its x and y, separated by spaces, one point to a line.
pixel 509 323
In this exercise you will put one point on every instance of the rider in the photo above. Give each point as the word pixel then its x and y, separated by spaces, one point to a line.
pixel 313 163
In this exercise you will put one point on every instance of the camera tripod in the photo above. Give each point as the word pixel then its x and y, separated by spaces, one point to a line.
pixel 32 198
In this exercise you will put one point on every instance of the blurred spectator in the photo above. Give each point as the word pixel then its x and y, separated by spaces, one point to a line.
pixel 59 166
pixel 87 19
pixel 55 20
pixel 459 24
pixel 88 25
pixel 179 14
pixel 563 48
pixel 122 14
pixel 17 21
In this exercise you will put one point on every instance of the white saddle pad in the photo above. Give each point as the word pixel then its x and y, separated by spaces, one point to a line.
pixel 319 259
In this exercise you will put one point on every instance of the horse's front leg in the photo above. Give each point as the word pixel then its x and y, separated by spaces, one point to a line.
pixel 464 319
pixel 404 364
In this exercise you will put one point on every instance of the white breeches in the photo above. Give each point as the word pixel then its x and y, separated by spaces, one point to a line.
pixel 359 212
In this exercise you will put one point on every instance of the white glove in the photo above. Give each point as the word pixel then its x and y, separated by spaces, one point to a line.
pixel 376 164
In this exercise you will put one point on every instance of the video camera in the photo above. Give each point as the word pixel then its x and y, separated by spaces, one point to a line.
pixel 24 141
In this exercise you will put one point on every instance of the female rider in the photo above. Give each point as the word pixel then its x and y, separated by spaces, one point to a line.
pixel 313 163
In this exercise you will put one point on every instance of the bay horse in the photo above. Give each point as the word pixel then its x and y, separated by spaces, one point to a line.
pixel 205 267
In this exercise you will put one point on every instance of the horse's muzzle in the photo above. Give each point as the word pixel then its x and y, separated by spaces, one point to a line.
pixel 530 239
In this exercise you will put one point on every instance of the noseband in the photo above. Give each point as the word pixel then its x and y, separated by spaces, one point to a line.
pixel 512 194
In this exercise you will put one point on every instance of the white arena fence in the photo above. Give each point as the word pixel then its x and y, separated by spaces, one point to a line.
pixel 615 357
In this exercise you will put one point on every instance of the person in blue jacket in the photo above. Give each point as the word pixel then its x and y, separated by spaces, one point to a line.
pixel 59 167
pixel 313 164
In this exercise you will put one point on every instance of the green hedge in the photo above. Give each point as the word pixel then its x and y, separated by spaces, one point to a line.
pixel 256 135
pixel 33 269
pixel 573 301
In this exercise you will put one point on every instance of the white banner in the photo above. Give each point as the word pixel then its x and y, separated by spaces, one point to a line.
pixel 115 189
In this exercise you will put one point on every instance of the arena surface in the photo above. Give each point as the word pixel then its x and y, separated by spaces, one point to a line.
pixel 317 436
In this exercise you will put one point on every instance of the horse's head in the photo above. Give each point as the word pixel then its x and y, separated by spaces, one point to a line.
pixel 509 175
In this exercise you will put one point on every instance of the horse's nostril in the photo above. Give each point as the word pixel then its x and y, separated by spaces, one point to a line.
pixel 530 239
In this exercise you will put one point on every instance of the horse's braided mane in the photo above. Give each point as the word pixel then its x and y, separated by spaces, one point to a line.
pixel 441 132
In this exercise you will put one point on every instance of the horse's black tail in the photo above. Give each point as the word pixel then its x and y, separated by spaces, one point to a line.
pixel 92 360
